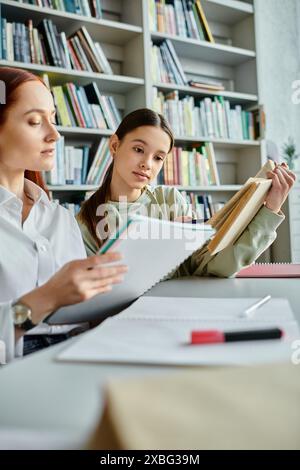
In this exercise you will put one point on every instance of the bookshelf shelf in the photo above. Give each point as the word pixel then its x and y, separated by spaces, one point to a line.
pixel 83 188
pixel 107 31
pixel 73 188
pixel 58 76
pixel 208 189
pixel 206 51
pixel 219 143
pixel 227 12
pixel 234 97
pixel 79 131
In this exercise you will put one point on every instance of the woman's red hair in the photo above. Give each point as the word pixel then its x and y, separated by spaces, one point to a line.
pixel 12 79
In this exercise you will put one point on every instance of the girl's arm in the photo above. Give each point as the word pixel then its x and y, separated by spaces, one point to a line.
pixel 256 238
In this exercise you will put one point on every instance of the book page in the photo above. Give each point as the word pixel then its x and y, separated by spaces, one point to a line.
pixel 240 218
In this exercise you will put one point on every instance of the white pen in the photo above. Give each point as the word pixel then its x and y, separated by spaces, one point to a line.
pixel 249 311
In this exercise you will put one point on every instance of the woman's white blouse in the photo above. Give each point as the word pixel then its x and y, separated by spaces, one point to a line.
pixel 31 253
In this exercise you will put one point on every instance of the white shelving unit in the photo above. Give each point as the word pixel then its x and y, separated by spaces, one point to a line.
pixel 72 188
pixel 203 50
pixel 212 189
pixel 229 12
pixel 108 31
pixel 81 132
pixel 234 97
pixel 59 75
pixel 231 58
pixel 218 143
pixel 126 40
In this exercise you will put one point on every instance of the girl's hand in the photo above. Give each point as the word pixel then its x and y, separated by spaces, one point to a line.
pixel 282 182
pixel 75 282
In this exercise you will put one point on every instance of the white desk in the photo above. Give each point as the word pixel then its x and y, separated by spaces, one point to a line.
pixel 38 393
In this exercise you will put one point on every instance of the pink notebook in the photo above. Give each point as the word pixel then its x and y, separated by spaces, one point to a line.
pixel 271 270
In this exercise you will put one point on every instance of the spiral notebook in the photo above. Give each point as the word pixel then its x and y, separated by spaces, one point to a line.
pixel 157 330
pixel 271 270
pixel 152 249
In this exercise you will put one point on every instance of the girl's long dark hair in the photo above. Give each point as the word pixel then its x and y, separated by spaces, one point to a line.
pixel 138 118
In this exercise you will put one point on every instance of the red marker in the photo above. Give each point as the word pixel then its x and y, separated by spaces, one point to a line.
pixel 216 336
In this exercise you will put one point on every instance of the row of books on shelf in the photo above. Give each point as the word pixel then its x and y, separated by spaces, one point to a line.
pixel 166 68
pixel 44 45
pixel 77 166
pixel 203 206
pixel 196 167
pixel 212 118
pixel 184 18
pixel 165 65
pixel 85 106
pixel 91 8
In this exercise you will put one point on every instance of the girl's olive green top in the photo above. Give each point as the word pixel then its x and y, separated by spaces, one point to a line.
pixel 167 203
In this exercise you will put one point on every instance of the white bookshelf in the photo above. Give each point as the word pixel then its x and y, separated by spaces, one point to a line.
pixel 72 188
pixel 222 188
pixel 205 51
pixel 218 143
pixel 231 58
pixel 81 132
pixel 112 32
pixel 59 75
pixel 126 40
pixel 202 189
pixel 229 12
pixel 234 97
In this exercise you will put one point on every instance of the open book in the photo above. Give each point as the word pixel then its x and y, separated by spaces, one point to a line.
pixel 151 249
pixel 235 216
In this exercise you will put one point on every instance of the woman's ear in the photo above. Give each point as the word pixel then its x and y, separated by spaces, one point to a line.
pixel 114 143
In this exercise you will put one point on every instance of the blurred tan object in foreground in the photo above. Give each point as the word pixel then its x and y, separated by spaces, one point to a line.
pixel 204 408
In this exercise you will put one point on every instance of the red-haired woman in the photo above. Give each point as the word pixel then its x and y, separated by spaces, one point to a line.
pixel 43 264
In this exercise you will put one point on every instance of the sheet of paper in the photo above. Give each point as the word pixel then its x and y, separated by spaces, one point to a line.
pixel 156 330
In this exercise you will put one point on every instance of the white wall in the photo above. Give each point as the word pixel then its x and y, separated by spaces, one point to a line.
pixel 277 24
